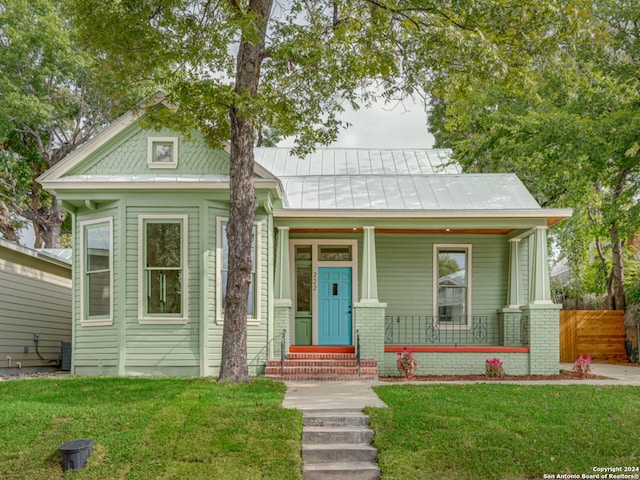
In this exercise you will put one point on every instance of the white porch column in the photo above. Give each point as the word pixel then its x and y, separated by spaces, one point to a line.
pixel 282 293
pixel 513 291
pixel 540 291
pixel 282 284
pixel 369 283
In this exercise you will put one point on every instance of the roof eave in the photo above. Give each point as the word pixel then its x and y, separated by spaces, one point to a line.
pixel 552 215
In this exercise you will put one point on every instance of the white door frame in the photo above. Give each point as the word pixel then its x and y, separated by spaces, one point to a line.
pixel 315 263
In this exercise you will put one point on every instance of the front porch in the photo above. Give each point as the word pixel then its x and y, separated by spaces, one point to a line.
pixel 453 298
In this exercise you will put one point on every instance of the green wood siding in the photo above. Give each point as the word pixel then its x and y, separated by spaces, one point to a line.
pixel 127 154
pixel 95 348
pixel 405 272
pixel 151 348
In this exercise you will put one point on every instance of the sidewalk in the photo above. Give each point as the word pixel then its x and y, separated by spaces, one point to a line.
pixel 357 395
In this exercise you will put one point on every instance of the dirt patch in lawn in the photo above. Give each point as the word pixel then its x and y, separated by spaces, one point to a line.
pixel 564 375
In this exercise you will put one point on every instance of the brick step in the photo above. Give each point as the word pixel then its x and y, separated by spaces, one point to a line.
pixel 320 356
pixel 322 369
pixel 320 362
pixel 328 377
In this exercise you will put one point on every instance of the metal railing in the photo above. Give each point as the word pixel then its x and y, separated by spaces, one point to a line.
pixel 487 330
pixel 259 360
pixel 358 349
pixel 283 344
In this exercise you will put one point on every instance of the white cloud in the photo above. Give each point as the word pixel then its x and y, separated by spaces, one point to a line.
pixel 384 126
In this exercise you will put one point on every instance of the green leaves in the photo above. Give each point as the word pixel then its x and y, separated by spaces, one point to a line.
pixel 569 129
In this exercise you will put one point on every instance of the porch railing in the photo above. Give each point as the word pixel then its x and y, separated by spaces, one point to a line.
pixel 358 349
pixel 283 346
pixel 483 330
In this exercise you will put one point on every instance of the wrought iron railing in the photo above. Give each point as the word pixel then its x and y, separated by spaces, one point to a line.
pixel 358 349
pixel 283 345
pixel 257 363
pixel 487 330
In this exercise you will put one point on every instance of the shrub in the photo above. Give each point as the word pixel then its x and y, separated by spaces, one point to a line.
pixel 493 367
pixel 582 366
pixel 407 363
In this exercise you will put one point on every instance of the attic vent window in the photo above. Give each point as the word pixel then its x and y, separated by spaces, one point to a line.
pixel 162 152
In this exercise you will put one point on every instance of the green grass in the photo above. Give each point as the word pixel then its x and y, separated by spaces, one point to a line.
pixel 149 429
pixel 493 431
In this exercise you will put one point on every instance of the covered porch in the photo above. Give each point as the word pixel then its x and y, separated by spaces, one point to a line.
pixel 395 298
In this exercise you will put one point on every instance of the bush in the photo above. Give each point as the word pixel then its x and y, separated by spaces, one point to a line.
pixel 582 366
pixel 407 363
pixel 493 367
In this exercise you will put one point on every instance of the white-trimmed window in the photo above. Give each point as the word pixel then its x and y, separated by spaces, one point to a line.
pixel 96 265
pixel 222 262
pixel 162 152
pixel 452 285
pixel 162 269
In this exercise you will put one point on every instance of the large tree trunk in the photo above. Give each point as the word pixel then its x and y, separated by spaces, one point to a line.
pixel 617 294
pixel 243 200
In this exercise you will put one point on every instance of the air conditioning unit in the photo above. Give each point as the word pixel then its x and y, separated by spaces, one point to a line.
pixel 65 359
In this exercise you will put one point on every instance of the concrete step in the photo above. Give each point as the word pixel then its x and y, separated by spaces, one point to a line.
pixel 341 471
pixel 344 434
pixel 335 418
pixel 337 453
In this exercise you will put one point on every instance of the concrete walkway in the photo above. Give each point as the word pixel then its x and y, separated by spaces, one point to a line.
pixel 331 395
pixel 360 394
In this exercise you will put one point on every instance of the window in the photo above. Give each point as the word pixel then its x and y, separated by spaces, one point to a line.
pixel 163 276
pixel 97 267
pixel 162 152
pixel 253 305
pixel 452 285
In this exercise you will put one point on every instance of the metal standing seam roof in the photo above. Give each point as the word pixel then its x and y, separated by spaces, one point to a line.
pixel 354 179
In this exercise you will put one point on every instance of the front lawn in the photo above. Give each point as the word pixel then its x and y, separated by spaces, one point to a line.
pixel 489 431
pixel 149 429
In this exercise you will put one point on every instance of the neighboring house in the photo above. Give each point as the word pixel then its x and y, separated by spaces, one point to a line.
pixel 347 245
pixel 35 300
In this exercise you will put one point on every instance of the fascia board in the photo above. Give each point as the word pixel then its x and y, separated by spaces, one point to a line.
pixel 62 185
pixel 560 213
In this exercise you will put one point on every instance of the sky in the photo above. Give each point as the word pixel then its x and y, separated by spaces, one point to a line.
pixel 384 126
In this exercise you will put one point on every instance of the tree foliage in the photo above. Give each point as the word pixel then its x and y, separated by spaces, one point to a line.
pixel 232 65
pixel 570 131
pixel 53 99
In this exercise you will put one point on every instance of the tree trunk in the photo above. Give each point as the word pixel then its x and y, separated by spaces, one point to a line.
pixel 243 200
pixel 617 299
pixel 6 223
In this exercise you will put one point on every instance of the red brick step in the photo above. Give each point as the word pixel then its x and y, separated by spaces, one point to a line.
pixel 322 366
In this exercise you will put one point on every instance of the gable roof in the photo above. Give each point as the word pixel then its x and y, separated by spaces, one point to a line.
pixel 395 183
pixel 330 182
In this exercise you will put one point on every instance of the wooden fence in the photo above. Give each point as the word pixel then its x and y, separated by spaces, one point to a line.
pixel 599 333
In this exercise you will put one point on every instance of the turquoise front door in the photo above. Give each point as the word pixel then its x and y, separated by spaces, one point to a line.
pixel 334 306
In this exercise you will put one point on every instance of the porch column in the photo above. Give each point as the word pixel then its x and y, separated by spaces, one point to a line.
pixel 282 291
pixel 541 316
pixel 540 292
pixel 369 313
pixel 369 283
pixel 511 334
pixel 513 292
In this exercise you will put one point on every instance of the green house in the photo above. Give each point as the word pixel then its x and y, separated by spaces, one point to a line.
pixel 361 249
